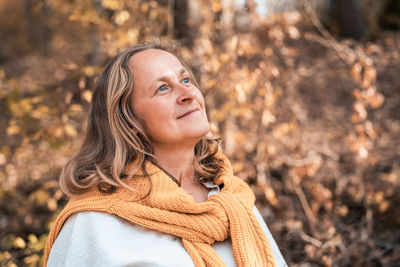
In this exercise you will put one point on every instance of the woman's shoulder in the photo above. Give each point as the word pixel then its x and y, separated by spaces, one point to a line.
pixel 101 239
pixel 279 260
pixel 101 226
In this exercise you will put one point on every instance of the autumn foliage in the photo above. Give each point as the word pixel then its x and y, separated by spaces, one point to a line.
pixel 310 121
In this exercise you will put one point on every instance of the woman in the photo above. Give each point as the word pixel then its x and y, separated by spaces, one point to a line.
pixel 148 188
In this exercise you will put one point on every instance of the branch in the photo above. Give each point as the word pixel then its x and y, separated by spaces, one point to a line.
pixel 344 52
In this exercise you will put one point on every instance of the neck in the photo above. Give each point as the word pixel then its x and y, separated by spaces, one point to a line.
pixel 177 162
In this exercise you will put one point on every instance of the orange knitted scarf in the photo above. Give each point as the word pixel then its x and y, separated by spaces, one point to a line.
pixel 169 209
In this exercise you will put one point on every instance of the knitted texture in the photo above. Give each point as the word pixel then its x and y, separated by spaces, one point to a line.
pixel 169 209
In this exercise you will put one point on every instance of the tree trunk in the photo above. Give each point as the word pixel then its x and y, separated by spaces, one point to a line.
pixel 38 30
pixel 348 15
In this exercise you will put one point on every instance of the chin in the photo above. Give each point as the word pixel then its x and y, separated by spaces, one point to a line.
pixel 199 133
pixel 204 130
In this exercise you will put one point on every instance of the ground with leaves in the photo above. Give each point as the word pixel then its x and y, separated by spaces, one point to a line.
pixel 311 123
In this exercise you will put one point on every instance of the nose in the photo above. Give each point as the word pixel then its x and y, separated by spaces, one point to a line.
pixel 187 94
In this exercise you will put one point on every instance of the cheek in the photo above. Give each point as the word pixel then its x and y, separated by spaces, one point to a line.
pixel 136 105
pixel 200 98
pixel 143 115
pixel 156 114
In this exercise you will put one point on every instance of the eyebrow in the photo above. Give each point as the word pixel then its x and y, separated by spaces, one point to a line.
pixel 163 78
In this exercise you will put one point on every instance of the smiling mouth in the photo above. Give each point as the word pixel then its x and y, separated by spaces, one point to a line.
pixel 187 113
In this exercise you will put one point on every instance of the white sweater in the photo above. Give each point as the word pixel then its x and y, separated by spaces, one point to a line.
pixel 100 239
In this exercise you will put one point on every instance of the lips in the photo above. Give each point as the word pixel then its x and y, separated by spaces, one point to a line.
pixel 187 113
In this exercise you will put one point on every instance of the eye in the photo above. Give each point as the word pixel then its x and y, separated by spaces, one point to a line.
pixel 162 89
pixel 186 81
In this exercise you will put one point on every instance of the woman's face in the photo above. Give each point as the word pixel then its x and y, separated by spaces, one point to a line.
pixel 166 99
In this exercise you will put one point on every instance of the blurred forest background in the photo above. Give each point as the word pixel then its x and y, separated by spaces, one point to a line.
pixel 304 94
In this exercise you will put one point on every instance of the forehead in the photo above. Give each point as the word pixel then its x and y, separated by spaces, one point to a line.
pixel 153 61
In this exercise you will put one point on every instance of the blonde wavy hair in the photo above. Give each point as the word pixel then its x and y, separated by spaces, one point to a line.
pixel 116 137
